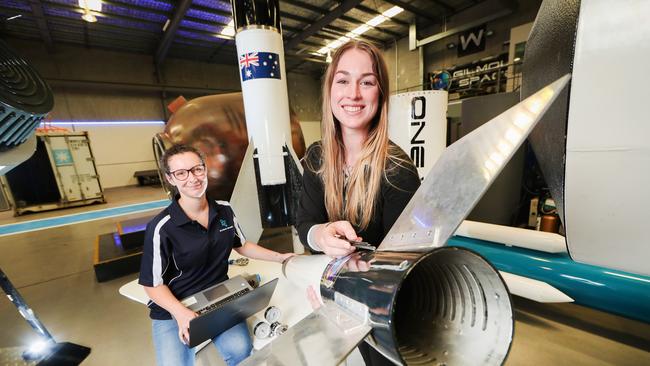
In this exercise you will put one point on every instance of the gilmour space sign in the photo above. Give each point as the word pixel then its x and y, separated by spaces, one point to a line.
pixel 479 74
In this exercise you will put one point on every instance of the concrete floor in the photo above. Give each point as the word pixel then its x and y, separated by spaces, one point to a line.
pixel 53 271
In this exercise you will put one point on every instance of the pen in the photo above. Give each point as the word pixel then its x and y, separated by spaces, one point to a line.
pixel 358 244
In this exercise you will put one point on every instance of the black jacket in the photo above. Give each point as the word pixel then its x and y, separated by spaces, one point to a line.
pixel 397 188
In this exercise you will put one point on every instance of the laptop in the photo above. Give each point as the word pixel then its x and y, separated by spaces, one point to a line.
pixel 224 305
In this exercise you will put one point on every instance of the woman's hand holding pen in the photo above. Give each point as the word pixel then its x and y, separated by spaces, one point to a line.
pixel 330 238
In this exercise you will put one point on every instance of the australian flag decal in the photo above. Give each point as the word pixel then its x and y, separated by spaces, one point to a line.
pixel 259 65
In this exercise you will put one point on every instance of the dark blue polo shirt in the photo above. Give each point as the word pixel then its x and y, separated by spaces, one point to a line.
pixel 182 254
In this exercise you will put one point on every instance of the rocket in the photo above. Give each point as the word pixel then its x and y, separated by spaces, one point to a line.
pixel 270 172
pixel 601 260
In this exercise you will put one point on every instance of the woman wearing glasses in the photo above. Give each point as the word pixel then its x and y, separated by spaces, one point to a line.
pixel 186 250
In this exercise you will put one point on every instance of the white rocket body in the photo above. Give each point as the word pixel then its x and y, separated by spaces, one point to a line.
pixel 417 122
pixel 266 104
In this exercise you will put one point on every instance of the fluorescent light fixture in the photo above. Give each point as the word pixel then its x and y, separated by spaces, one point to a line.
pixel 229 30
pixel 14 17
pixel 102 123
pixel 88 7
pixel 88 16
pixel 376 20
pixel 361 29
pixel 94 5
pixel 392 11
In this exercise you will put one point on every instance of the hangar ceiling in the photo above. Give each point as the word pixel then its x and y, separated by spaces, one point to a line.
pixel 197 29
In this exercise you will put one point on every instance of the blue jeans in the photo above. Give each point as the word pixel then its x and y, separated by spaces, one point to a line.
pixel 234 345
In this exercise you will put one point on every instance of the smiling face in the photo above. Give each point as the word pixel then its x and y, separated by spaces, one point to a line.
pixel 194 186
pixel 354 94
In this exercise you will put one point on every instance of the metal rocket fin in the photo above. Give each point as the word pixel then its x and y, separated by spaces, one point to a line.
pixel 244 199
pixel 324 337
pixel 464 172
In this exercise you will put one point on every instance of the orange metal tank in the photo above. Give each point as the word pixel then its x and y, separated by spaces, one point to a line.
pixel 216 125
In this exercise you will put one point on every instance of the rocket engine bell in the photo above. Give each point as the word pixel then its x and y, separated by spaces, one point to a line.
pixel 445 307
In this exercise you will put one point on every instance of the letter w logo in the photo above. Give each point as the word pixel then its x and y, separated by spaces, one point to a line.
pixel 472 37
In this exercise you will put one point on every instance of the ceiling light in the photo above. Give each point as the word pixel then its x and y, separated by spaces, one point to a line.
pixel 229 29
pixel 392 11
pixel 88 7
pixel 14 17
pixel 362 29
pixel 94 5
pixel 88 16
pixel 377 20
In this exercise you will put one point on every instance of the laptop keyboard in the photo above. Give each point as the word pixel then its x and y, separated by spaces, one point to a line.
pixel 222 302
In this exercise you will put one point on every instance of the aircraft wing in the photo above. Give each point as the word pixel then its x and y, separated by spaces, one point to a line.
pixel 324 337
pixel 464 172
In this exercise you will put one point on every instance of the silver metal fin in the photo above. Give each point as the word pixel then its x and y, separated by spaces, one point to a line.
pixel 318 339
pixel 464 172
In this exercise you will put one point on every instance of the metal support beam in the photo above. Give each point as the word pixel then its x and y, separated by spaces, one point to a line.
pixel 168 37
pixel 510 4
pixel 377 28
pixel 414 42
pixel 342 32
pixel 321 11
pixel 418 12
pixel 134 87
pixel 39 16
pixel 337 12
pixel 376 41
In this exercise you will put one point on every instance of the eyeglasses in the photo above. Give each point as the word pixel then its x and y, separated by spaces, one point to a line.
pixel 182 174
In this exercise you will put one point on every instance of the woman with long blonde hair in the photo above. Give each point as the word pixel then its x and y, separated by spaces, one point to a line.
pixel 356 182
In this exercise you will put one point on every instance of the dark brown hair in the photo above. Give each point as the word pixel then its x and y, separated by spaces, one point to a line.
pixel 179 149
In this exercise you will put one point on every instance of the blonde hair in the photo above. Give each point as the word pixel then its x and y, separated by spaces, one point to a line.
pixel 364 180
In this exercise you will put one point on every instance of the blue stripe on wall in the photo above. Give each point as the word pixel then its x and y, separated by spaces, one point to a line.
pixel 41 224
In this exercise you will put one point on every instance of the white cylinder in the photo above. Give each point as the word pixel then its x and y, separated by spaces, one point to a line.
pixel 512 236
pixel 306 270
pixel 266 101
pixel 417 122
